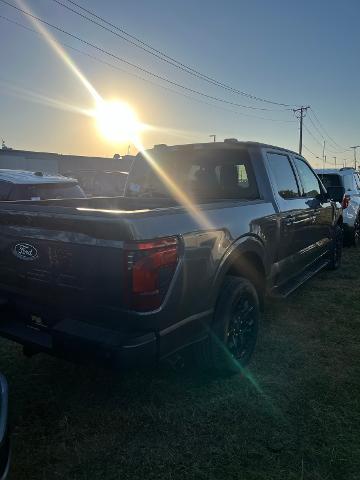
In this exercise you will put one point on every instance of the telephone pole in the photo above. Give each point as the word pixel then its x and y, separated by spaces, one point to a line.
pixel 335 161
pixel 354 148
pixel 300 114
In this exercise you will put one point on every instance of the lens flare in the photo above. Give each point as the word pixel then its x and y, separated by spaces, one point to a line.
pixel 181 197
pixel 60 51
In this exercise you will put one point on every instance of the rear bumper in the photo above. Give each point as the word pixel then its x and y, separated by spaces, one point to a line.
pixel 82 342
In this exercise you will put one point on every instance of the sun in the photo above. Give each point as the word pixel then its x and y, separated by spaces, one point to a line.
pixel 117 121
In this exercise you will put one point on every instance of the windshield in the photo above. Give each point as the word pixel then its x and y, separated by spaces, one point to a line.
pixel 46 191
pixel 215 174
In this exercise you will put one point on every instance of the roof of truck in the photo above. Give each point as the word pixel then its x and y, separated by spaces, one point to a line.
pixel 228 142
pixel 32 178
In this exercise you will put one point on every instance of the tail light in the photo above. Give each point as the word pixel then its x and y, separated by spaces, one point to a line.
pixel 149 269
pixel 345 201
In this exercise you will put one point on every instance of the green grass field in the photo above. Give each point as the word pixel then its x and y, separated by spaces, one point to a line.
pixel 295 416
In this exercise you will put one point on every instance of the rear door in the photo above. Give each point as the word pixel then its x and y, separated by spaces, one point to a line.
pixel 294 249
pixel 320 211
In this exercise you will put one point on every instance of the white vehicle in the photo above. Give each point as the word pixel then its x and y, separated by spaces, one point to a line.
pixel 24 185
pixel 344 186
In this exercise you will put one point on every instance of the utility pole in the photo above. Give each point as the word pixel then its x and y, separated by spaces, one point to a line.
pixel 354 148
pixel 323 156
pixel 335 161
pixel 213 136
pixel 299 113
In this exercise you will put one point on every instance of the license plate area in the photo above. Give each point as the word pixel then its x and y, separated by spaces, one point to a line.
pixel 36 320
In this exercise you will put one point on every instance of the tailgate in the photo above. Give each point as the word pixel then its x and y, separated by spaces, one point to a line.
pixel 58 261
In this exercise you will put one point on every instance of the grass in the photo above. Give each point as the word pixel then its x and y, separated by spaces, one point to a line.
pixel 298 418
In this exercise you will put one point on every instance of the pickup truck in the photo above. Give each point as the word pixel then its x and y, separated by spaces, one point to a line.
pixel 185 259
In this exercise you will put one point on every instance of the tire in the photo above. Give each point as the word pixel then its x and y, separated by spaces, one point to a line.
pixel 336 248
pixel 355 235
pixel 233 335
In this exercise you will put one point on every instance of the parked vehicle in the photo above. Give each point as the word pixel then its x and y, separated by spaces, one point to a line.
pixel 344 186
pixel 204 233
pixel 24 185
pixel 4 432
pixel 101 183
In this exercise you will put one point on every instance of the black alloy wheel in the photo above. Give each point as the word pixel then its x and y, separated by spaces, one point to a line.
pixel 242 329
pixel 234 333
pixel 356 234
pixel 336 248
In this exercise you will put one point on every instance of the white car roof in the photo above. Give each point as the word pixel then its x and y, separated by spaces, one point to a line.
pixel 25 177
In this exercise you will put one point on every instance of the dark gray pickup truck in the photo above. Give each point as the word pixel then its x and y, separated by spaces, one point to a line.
pixel 187 257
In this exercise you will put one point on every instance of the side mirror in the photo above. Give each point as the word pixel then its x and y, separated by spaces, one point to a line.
pixel 4 431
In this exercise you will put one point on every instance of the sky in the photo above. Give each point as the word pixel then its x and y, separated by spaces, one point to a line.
pixel 286 51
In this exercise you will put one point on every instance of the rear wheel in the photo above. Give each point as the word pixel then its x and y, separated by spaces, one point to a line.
pixel 356 233
pixel 336 248
pixel 233 336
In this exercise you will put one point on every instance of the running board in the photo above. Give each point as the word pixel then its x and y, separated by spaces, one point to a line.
pixel 285 290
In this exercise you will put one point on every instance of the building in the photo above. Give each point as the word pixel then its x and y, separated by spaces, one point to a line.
pixel 63 164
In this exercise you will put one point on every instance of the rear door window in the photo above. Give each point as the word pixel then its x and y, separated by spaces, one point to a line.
pixel 310 183
pixel 284 175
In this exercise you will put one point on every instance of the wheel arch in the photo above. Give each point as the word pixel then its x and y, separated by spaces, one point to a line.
pixel 245 259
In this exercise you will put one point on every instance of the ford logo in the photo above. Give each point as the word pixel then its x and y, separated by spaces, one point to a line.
pixel 24 251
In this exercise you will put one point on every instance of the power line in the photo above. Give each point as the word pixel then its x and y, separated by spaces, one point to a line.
pixel 158 53
pixel 312 135
pixel 326 133
pixel 310 151
pixel 116 67
pixel 138 67
pixel 331 148
pixel 217 99
pixel 316 128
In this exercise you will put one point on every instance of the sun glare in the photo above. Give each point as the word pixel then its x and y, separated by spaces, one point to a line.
pixel 117 121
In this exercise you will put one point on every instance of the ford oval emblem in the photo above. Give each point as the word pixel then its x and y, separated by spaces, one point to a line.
pixel 24 251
